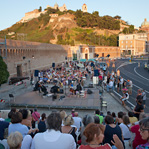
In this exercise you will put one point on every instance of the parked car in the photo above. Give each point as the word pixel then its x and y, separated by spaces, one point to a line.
pixel 14 80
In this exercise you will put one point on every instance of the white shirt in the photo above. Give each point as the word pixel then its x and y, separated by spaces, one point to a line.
pixel 121 81
pixel 130 83
pixel 125 131
pixel 111 83
pixel 77 122
pixel 54 140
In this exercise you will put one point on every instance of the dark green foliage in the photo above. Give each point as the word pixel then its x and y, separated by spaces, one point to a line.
pixel 129 30
pixel 117 17
pixel 4 74
pixel 94 39
pixel 40 9
pixel 93 20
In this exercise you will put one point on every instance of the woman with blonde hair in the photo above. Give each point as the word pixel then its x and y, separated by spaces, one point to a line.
pixel 14 140
pixel 67 128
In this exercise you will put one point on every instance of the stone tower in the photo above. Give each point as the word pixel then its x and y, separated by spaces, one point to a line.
pixel 84 8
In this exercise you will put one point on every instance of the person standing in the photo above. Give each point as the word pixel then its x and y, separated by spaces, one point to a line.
pixel 121 83
pixel 138 108
pixel 129 87
pixel 144 97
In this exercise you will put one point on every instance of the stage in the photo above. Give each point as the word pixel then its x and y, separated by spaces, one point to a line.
pixel 35 99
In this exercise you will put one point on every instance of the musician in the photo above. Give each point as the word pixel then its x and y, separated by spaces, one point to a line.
pixel 37 86
pixel 44 90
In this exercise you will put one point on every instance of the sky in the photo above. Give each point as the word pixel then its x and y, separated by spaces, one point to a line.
pixel 132 11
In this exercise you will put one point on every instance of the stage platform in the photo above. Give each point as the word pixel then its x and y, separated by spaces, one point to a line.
pixel 35 99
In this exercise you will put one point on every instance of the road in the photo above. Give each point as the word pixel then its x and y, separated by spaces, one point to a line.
pixel 138 75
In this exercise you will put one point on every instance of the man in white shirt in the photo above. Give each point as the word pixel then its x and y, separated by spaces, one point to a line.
pixel 77 121
pixel 129 87
pixel 121 83
pixel 110 85
pixel 53 138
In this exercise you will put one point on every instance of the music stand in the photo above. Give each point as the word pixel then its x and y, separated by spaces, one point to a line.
pixel 11 96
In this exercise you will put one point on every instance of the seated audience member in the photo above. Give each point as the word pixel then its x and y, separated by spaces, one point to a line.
pixel 26 118
pixel 144 132
pixel 87 119
pixel 36 115
pixel 97 121
pixel 135 129
pixel 94 137
pixel 3 126
pixel 132 118
pixel 119 119
pixel 63 114
pixel 16 125
pixel 14 140
pixel 4 141
pixel 67 128
pixel 77 121
pixel 97 112
pixel 42 123
pixel 124 97
pixel 138 108
pixel 53 138
pixel 9 117
pixel 111 129
pixel 114 116
pixel 110 85
pixel 125 129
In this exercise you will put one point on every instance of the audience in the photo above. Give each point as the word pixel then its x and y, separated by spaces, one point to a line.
pixel 53 138
pixel 67 128
pixel 110 130
pixel 14 140
pixel 144 132
pixel 42 123
pixel 94 137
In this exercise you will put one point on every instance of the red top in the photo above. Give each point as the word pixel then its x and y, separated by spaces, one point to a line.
pixel 36 116
pixel 138 139
pixel 106 146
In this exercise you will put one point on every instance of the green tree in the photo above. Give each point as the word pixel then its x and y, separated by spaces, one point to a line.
pixel 117 17
pixel 4 74
pixel 40 9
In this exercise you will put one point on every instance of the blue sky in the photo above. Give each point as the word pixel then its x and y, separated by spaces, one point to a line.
pixel 132 11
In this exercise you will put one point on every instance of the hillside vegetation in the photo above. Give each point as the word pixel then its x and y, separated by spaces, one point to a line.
pixel 69 28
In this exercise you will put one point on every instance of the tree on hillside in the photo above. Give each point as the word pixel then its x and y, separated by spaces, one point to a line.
pixel 4 74
pixel 95 13
pixel 117 17
pixel 40 9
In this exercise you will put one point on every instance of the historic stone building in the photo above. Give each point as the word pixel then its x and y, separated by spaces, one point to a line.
pixel 23 57
pixel 84 8
pixel 133 44
pixel 89 52
pixel 145 25
pixel 62 8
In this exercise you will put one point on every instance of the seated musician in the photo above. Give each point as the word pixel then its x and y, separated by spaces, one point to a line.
pixel 44 90
pixel 79 87
pixel 37 87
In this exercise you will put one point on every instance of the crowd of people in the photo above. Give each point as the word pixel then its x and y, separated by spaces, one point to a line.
pixel 28 129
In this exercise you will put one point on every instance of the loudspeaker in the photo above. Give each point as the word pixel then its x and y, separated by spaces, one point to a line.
pixel 53 65
pixel 89 91
pixel 96 72
pixel 36 73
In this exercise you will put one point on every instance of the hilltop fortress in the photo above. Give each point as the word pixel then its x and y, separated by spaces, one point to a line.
pixel 36 13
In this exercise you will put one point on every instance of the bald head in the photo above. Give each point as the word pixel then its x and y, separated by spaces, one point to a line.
pixel 76 114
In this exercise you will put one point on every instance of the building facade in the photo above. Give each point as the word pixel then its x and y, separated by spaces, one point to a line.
pixel 84 8
pixel 133 44
pixel 145 26
pixel 89 52
pixel 23 57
